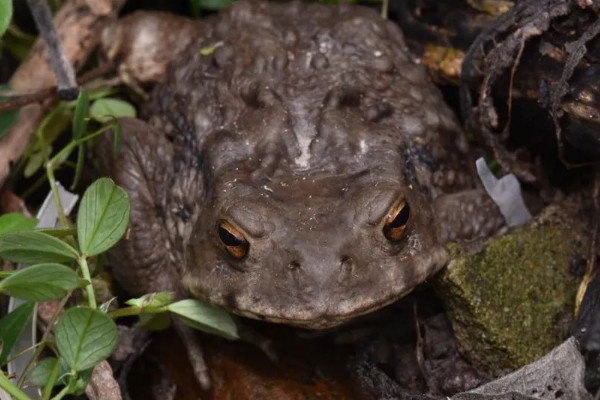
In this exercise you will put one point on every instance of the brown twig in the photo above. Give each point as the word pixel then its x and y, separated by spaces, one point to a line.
pixel 79 24
pixel 44 94
pixel 65 75
pixel 511 84
pixel 25 99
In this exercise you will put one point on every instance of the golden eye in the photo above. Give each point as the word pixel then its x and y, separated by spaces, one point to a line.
pixel 233 240
pixel 396 221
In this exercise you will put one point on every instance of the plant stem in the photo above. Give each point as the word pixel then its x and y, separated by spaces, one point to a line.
pixel 47 391
pixel 94 134
pixel 52 181
pixel 62 393
pixel 384 9
pixel 69 387
pixel 59 159
pixel 19 354
pixel 44 340
pixel 14 391
pixel 134 310
pixel 85 272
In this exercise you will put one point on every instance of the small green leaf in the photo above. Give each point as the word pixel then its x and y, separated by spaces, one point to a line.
pixel 194 8
pixel 103 217
pixel 82 109
pixel 159 299
pixel 205 317
pixel 40 282
pixel 155 322
pixel 14 222
pixel 118 134
pixel 34 248
pixel 207 51
pixel 7 118
pixel 17 42
pixel 79 165
pixel 35 162
pixel 105 109
pixel 85 337
pixel 11 326
pixel 5 15
pixel 214 5
pixel 40 374
pixel 102 92
pixel 83 378
pixel 58 232
pixel 53 125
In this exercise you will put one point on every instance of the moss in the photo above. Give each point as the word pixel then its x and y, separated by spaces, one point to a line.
pixel 508 303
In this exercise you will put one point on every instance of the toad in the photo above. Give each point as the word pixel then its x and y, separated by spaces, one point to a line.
pixel 294 164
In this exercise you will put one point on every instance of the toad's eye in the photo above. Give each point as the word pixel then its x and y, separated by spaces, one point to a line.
pixel 396 221
pixel 233 240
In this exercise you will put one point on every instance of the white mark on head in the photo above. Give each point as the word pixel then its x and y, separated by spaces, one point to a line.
pixel 363 146
pixel 305 132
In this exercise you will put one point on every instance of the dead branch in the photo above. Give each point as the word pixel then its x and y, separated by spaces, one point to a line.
pixel 78 23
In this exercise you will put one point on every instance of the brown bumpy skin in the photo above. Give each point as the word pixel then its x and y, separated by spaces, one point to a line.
pixel 301 127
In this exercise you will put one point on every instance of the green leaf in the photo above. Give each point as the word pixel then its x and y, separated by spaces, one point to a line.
pixel 11 326
pixel 58 232
pixel 17 42
pixel 35 162
pixel 102 92
pixel 80 121
pixel 205 317
pixel 79 165
pixel 35 247
pixel 83 378
pixel 118 134
pixel 155 322
pixel 7 118
pixel 207 51
pixel 85 337
pixel 194 8
pixel 103 217
pixel 214 5
pixel 159 299
pixel 40 374
pixel 82 109
pixel 40 282
pixel 5 15
pixel 14 222
pixel 105 109
pixel 53 125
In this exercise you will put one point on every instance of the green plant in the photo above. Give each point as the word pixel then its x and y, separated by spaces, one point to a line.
pixel 59 264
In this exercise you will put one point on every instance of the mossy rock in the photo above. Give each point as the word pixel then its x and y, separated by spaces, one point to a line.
pixel 513 301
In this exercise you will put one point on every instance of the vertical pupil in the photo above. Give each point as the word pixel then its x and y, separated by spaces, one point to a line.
pixel 402 217
pixel 227 238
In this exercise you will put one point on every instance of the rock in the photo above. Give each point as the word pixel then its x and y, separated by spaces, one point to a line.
pixel 559 374
pixel 513 301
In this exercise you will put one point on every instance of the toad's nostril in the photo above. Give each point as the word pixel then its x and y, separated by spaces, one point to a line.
pixel 294 265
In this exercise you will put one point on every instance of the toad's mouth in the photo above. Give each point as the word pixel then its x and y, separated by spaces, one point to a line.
pixel 326 308
pixel 324 320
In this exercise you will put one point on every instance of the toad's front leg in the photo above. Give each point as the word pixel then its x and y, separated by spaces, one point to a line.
pixel 144 261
